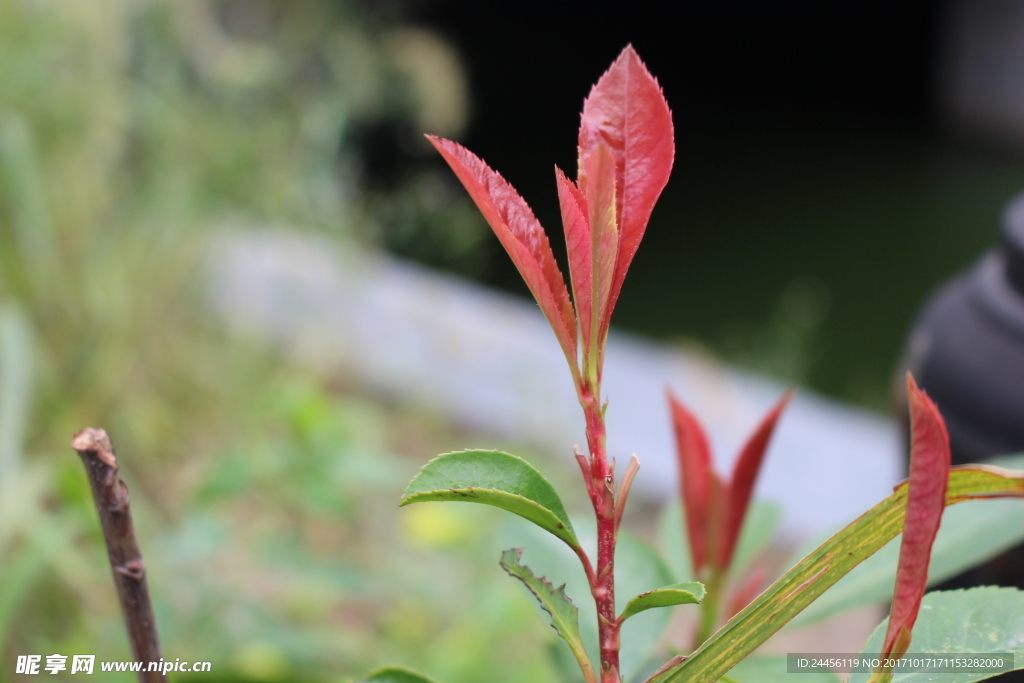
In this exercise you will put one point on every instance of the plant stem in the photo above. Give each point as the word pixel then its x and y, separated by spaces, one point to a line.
pixel 111 497
pixel 709 609
pixel 602 494
pixel 604 592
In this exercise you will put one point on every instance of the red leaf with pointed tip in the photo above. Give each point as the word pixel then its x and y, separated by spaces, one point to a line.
pixel 520 233
pixel 929 475
pixel 577 242
pixel 697 479
pixel 598 174
pixel 627 111
pixel 744 476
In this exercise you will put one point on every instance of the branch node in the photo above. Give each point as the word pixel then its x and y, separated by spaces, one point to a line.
pixel 133 569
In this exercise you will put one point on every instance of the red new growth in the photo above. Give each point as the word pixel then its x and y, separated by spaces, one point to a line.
pixel 715 509
pixel 625 156
pixel 744 476
pixel 697 479
pixel 577 244
pixel 626 148
pixel 520 233
pixel 597 174
pixel 626 112
pixel 926 499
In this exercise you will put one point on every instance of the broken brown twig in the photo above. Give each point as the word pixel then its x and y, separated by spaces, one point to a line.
pixel 111 496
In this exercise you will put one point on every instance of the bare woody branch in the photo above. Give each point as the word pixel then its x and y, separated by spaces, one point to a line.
pixel 111 496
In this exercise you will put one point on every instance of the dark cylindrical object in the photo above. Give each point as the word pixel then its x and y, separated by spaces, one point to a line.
pixel 967 351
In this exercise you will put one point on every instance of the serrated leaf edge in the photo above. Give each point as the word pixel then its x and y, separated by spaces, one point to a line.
pixel 573 640
pixel 555 592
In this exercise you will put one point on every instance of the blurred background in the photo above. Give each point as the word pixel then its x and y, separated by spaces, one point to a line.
pixel 835 163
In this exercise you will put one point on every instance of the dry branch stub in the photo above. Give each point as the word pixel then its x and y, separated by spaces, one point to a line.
pixel 126 563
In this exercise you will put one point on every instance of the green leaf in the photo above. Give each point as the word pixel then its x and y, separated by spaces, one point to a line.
pixel 969 535
pixel 772 669
pixel 798 587
pixel 493 478
pixel 974 621
pixel 638 568
pixel 564 614
pixel 395 674
pixel 688 593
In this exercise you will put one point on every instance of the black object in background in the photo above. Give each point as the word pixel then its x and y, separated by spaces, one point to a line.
pixel 967 351
pixel 809 149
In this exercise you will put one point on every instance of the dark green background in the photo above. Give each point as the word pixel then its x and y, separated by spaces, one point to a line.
pixel 810 148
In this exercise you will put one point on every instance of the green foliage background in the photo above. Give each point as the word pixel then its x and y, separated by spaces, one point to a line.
pixel 130 132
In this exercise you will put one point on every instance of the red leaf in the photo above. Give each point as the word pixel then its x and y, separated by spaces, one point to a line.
pixel 744 476
pixel 521 235
pixel 577 242
pixel 598 175
pixel 929 475
pixel 627 111
pixel 697 479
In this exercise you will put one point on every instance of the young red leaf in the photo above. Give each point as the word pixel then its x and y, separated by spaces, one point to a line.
pixel 522 236
pixel 929 475
pixel 577 241
pixel 598 174
pixel 627 111
pixel 741 487
pixel 697 479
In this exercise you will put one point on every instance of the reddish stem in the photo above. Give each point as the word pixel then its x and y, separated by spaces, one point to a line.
pixel 601 487
pixel 604 591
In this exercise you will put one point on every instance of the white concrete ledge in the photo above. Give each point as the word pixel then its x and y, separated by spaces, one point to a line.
pixel 490 361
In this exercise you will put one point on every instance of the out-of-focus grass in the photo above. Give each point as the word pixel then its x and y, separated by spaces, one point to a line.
pixel 264 495
pixel 291 551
